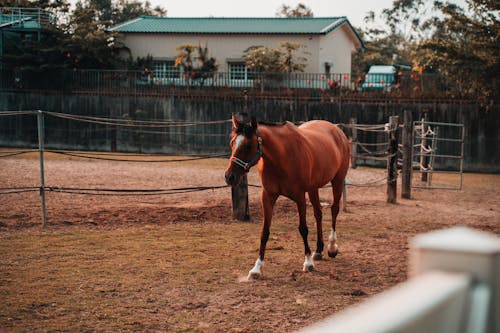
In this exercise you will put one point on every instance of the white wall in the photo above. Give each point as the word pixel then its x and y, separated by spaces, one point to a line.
pixel 335 47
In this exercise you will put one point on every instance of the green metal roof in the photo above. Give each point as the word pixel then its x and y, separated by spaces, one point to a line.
pixel 240 25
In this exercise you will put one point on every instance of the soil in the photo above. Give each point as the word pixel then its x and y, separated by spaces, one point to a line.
pixel 178 262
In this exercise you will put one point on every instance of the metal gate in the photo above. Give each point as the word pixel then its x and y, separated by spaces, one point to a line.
pixel 438 155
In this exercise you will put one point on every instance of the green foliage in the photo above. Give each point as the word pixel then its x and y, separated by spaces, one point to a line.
pixel 271 60
pixel 300 10
pixel 79 39
pixel 462 45
pixel 465 49
pixel 125 10
pixel 195 62
pixel 89 45
pixel 263 59
pixel 385 50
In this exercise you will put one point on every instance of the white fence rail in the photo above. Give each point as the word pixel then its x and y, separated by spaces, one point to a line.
pixel 454 287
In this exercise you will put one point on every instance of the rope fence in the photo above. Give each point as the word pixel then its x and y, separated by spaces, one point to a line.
pixel 377 151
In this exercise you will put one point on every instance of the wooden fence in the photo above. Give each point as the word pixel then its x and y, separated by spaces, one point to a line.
pixel 481 149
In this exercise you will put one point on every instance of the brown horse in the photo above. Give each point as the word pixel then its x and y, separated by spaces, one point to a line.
pixel 292 161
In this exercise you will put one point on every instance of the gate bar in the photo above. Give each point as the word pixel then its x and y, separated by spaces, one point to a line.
pixel 439 123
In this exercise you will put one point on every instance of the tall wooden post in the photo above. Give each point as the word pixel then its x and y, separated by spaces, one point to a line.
pixel 407 143
pixel 354 142
pixel 239 193
pixel 392 159
pixel 41 131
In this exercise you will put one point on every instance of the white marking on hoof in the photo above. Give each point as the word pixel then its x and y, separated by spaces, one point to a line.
pixel 333 251
pixel 308 264
pixel 333 248
pixel 256 271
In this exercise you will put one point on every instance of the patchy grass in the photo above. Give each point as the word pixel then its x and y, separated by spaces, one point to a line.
pixel 173 277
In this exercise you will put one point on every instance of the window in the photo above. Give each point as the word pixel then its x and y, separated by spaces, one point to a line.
pixel 239 71
pixel 165 69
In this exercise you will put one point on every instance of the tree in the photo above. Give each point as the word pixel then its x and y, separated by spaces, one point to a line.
pixel 272 62
pixel 300 10
pixel 381 50
pixel 289 62
pixel 262 59
pixel 195 62
pixel 125 10
pixel 266 59
pixel 89 44
pixel 465 48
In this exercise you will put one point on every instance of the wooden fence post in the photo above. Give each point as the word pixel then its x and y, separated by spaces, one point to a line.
pixel 392 159
pixel 354 142
pixel 239 193
pixel 407 145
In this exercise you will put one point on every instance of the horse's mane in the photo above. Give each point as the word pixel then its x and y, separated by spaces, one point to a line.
pixel 269 123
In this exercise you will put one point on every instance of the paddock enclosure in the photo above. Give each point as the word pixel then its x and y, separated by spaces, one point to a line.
pixel 178 262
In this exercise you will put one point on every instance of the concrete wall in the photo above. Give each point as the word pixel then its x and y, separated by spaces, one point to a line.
pixel 482 137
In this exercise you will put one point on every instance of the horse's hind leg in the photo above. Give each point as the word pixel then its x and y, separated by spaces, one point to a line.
pixel 314 198
pixel 338 188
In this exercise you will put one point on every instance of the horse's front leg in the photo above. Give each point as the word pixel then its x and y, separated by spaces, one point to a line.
pixel 268 201
pixel 301 206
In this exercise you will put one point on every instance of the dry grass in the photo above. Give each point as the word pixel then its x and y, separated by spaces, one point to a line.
pixel 179 265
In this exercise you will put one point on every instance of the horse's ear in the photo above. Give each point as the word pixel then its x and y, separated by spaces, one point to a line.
pixel 253 123
pixel 235 121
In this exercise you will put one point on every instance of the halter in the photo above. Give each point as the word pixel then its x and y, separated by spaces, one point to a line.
pixel 246 166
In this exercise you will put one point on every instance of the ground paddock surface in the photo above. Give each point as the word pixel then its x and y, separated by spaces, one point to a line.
pixel 178 263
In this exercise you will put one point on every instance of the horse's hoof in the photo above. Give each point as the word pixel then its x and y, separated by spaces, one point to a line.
pixel 317 256
pixel 333 251
pixel 333 254
pixel 309 268
pixel 253 276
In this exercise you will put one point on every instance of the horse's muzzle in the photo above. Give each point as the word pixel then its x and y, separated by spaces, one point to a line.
pixel 231 178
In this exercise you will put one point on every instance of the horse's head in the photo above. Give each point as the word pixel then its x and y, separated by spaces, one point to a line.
pixel 246 150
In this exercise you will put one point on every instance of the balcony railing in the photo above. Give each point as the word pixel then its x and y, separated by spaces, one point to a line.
pixel 25 17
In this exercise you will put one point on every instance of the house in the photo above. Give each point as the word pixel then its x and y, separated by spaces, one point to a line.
pixel 18 25
pixel 329 42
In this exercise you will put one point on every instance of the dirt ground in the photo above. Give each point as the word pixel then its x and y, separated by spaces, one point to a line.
pixel 178 262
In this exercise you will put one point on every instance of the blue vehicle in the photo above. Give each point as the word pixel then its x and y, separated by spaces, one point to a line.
pixel 380 78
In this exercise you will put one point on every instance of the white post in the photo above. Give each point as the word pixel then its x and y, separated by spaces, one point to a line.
pixel 467 251
pixel 454 287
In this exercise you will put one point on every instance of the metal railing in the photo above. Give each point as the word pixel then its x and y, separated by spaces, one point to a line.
pixel 134 82
pixel 19 17
pixel 430 138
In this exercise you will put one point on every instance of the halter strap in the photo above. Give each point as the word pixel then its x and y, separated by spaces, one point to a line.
pixel 247 165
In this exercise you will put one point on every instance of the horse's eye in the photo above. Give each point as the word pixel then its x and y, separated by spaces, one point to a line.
pixel 248 148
